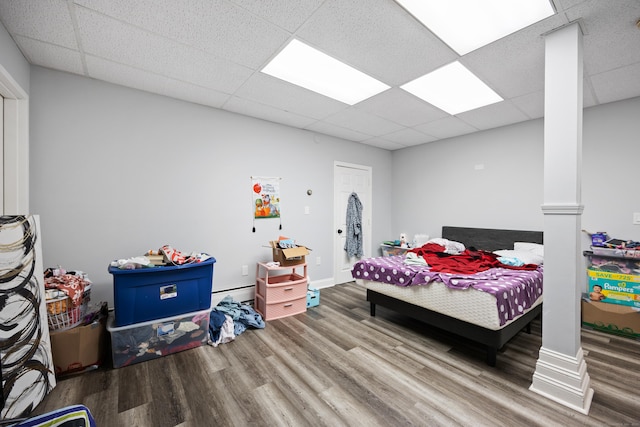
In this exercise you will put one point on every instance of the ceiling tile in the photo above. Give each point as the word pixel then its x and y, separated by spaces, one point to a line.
pixel 337 131
pixel 361 121
pixel 617 84
pixel 217 27
pixel 408 136
pixel 446 128
pixel 51 56
pixel 112 72
pixel 384 144
pixel 606 47
pixel 269 90
pixel 45 20
pixel 125 44
pixel 266 112
pixel 374 36
pixel 494 115
pixel 532 104
pixel 283 13
pixel 401 107
pixel 514 65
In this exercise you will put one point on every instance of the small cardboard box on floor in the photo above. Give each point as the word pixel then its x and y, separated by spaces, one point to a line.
pixel 611 318
pixel 78 348
pixel 288 257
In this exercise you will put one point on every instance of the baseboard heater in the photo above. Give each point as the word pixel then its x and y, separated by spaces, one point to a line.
pixel 243 294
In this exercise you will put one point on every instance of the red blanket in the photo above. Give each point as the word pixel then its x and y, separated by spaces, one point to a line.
pixel 468 262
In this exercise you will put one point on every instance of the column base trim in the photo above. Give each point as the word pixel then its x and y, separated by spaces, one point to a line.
pixel 563 379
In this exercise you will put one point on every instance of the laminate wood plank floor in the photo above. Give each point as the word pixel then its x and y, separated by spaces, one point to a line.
pixel 335 365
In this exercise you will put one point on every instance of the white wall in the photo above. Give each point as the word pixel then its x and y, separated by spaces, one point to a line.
pixel 489 179
pixel 116 172
pixel 494 178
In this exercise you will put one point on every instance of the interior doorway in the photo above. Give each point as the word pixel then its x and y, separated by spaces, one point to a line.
pixel 349 178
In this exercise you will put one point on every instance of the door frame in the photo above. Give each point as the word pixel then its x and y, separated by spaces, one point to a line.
pixel 14 160
pixel 367 212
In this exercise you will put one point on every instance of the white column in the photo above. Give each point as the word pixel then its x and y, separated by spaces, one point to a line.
pixel 561 372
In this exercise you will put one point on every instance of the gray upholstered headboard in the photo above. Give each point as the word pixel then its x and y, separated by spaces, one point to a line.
pixel 490 239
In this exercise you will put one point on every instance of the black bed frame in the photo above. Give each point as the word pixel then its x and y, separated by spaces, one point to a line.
pixel 493 340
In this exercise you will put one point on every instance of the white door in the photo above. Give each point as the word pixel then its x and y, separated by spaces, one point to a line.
pixel 349 178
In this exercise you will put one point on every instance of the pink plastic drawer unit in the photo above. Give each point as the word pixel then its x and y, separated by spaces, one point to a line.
pixel 281 309
pixel 282 288
pixel 157 292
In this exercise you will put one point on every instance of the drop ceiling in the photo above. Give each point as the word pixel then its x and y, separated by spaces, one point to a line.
pixel 210 52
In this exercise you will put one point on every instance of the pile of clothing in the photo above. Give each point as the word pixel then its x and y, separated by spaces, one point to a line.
pixel 229 319
pixel 73 284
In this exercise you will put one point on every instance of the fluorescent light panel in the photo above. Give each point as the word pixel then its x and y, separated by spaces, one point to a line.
pixel 466 25
pixel 452 88
pixel 305 66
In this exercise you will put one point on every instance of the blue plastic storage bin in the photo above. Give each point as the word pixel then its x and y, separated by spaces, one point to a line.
pixel 153 293
pixel 313 297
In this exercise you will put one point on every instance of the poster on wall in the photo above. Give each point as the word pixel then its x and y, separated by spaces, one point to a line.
pixel 266 197
pixel 26 361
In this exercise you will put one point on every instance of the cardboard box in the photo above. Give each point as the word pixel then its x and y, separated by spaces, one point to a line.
pixel 78 348
pixel 614 288
pixel 288 257
pixel 611 318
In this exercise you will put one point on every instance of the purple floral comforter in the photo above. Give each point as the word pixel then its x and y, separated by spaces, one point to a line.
pixel 515 290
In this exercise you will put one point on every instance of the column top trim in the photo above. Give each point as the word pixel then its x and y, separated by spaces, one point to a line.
pixel 562 209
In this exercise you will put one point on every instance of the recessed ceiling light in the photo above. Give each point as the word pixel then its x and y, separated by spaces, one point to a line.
pixel 452 88
pixel 466 25
pixel 305 66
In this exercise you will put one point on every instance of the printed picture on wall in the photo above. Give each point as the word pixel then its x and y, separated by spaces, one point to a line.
pixel 266 197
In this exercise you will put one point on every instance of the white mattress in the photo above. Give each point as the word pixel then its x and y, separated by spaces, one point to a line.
pixel 469 305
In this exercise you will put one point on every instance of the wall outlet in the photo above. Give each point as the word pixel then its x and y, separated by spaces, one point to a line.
pixel 318 261
pixel 245 270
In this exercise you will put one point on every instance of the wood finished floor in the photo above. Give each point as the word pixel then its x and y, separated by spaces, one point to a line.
pixel 337 366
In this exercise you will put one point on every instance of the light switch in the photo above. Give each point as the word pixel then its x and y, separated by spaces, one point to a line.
pixel 636 218
pixel 307 210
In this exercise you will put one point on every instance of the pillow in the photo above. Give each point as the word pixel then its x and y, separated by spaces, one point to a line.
pixel 536 248
pixel 524 256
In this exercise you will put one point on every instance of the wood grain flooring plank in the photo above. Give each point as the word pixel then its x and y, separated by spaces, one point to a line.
pixel 303 364
pixel 169 405
pixel 276 409
pixel 133 387
pixel 299 387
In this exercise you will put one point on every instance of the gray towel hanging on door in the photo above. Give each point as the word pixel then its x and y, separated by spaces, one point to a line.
pixel 353 245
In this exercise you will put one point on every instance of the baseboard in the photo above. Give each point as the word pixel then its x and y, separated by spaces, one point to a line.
pixel 247 293
pixel 563 379
pixel 242 294
pixel 322 283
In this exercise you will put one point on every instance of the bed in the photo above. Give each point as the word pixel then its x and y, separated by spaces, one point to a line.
pixel 474 309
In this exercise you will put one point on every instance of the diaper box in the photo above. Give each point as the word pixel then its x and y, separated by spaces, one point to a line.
pixel 614 288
